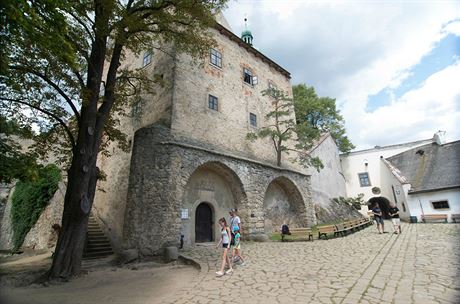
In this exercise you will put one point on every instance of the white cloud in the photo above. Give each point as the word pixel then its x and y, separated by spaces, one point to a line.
pixel 418 113
pixel 349 50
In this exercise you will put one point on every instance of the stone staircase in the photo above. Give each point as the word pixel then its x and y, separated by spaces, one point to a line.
pixel 97 243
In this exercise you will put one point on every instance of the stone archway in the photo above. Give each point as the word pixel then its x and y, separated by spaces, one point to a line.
pixel 283 203
pixel 219 188
pixel 383 202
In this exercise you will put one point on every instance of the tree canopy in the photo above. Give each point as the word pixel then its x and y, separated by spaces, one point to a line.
pixel 318 115
pixel 61 68
pixel 283 130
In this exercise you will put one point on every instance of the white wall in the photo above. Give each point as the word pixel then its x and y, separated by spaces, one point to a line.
pixel 329 182
pixel 355 162
pixel 390 184
pixel 424 200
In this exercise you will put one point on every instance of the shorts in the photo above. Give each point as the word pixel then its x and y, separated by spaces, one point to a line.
pixel 378 219
pixel 396 221
pixel 225 245
pixel 237 247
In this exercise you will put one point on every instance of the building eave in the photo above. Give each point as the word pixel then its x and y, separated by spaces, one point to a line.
pixel 395 171
pixel 434 190
pixel 250 49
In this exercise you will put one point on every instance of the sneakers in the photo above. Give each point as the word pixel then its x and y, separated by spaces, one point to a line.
pixel 229 271
pixel 219 274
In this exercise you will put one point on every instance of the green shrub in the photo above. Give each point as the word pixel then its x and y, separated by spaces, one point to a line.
pixel 30 199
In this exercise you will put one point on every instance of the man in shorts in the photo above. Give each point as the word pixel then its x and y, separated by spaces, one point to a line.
pixel 394 213
pixel 378 217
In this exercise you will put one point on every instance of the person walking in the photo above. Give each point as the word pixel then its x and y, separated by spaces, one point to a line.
pixel 235 223
pixel 236 249
pixel 394 213
pixel 235 220
pixel 225 240
pixel 378 217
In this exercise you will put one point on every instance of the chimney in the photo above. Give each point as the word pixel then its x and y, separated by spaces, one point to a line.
pixel 440 137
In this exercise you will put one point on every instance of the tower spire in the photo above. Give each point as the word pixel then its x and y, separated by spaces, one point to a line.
pixel 246 35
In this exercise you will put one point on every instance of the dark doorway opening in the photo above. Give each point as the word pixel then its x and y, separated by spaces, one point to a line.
pixel 203 223
pixel 384 205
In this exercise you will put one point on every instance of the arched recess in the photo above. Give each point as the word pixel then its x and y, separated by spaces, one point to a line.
pixel 383 202
pixel 283 203
pixel 220 188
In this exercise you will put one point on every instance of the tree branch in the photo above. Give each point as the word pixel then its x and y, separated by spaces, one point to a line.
pixel 54 116
pixel 51 83
pixel 81 23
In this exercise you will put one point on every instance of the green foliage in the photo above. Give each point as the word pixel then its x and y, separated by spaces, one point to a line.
pixel 355 202
pixel 52 53
pixel 30 199
pixel 317 115
pixel 282 129
pixel 13 163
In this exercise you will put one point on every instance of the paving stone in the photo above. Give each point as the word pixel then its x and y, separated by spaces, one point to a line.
pixel 364 267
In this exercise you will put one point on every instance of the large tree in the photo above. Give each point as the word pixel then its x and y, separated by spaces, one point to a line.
pixel 318 115
pixel 56 54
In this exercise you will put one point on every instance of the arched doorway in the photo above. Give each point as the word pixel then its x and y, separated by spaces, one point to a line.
pixel 384 205
pixel 203 223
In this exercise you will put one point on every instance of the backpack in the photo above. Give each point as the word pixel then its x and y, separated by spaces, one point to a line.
pixel 285 229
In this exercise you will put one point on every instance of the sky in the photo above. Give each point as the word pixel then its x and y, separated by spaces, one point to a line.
pixel 393 66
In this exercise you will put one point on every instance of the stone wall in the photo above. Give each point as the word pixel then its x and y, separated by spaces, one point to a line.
pixel 161 168
pixel 227 127
pixel 6 227
pixel 335 212
pixel 109 203
pixel 42 235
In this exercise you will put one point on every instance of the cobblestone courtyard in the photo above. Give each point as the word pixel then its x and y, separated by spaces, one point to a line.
pixel 419 266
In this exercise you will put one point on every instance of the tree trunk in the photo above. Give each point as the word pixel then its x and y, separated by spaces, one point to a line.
pixel 278 158
pixel 77 206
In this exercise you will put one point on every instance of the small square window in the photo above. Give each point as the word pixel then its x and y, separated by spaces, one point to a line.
pixel 216 58
pixel 248 77
pixel 253 119
pixel 440 205
pixel 147 59
pixel 213 103
pixel 364 180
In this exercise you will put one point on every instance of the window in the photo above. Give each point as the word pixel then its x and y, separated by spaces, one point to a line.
pixel 364 179
pixel 253 119
pixel 213 103
pixel 216 58
pixel 147 59
pixel 404 207
pixel 440 205
pixel 248 77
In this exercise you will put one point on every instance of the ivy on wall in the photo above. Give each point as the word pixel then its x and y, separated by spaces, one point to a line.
pixel 30 199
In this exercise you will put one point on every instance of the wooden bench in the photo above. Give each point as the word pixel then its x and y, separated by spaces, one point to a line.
pixel 455 217
pixel 325 230
pixel 343 228
pixel 434 217
pixel 363 223
pixel 296 233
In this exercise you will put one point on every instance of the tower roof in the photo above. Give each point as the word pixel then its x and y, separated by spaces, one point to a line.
pixel 246 35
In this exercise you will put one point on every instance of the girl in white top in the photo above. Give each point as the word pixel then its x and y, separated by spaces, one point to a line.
pixel 226 238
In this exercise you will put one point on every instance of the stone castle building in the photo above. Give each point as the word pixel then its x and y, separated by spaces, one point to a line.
pixel 190 161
